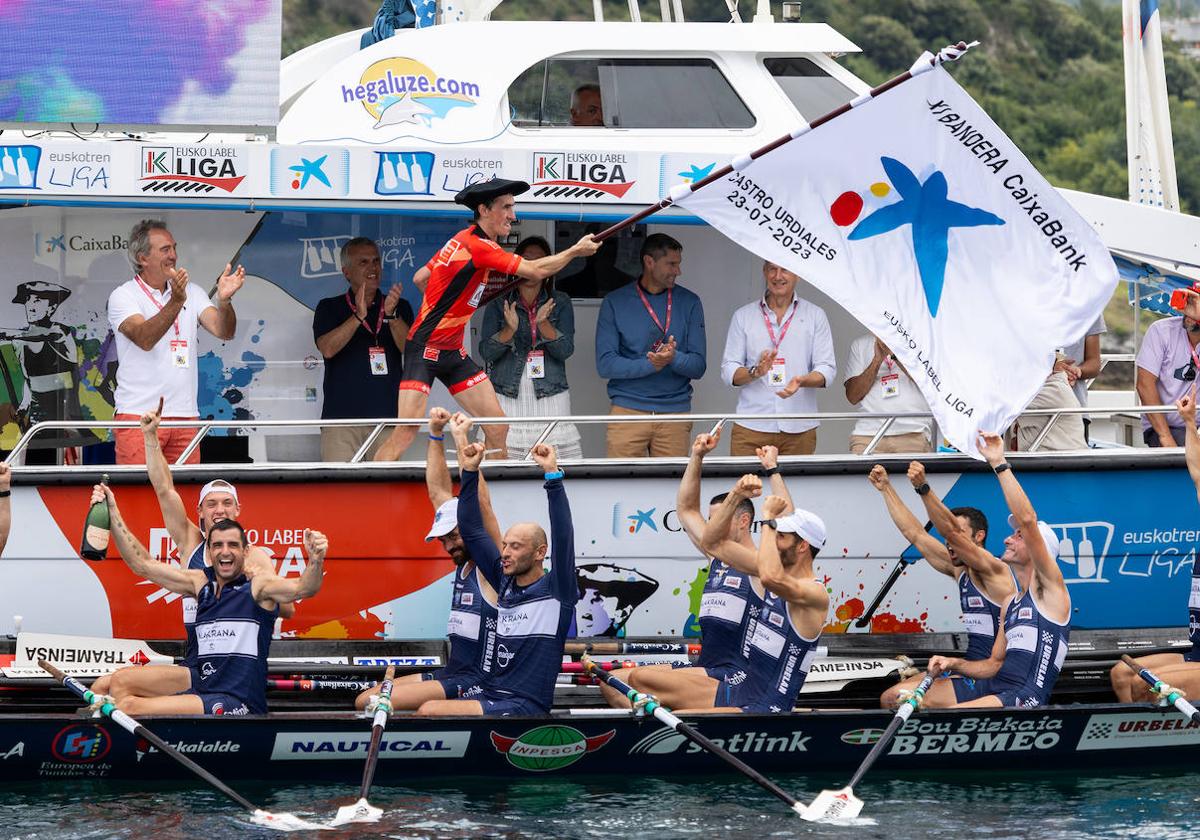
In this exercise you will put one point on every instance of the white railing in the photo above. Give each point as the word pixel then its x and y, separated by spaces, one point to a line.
pixel 382 425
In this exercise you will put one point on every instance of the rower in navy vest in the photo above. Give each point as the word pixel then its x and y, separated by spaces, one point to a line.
pixel 728 600
pixel 235 616
pixel 218 500
pixel 535 608
pixel 984 581
pixel 471 629
pixel 1027 657
pixel 1181 670
pixel 781 639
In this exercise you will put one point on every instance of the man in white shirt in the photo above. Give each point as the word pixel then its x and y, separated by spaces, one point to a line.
pixel 878 384
pixel 778 351
pixel 154 318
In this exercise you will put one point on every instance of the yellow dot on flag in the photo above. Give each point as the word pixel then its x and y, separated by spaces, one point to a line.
pixel 879 189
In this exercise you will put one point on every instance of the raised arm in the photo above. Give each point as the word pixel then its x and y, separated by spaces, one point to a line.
pixel 183 531
pixel 219 318
pixel 930 547
pixel 687 498
pixel 460 425
pixel 716 541
pixel 166 575
pixel 437 474
pixel 768 456
pixel 271 588
pixel 5 503
pixel 475 537
pixel 803 593
pixel 563 583
pixel 1191 443
pixel 947 524
pixel 545 267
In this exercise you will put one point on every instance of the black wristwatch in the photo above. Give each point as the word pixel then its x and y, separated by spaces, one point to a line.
pixel 923 489
pixel 1001 467
pixel 768 472
pixel 770 523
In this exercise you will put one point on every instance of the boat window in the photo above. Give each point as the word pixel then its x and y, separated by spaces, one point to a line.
pixel 627 93
pixel 813 91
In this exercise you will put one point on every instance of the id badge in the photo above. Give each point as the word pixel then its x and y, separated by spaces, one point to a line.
pixel 658 345
pixel 179 353
pixel 778 374
pixel 535 364
pixel 378 361
pixel 891 385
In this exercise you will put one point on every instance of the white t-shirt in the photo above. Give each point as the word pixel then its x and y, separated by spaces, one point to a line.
pixel 890 379
pixel 144 376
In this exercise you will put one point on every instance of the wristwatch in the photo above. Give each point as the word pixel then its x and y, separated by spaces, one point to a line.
pixel 771 523
pixel 923 489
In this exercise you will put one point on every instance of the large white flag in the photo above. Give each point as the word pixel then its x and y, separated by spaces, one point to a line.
pixel 918 215
pixel 1147 117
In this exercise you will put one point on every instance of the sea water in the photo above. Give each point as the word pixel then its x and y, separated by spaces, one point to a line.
pixel 1062 806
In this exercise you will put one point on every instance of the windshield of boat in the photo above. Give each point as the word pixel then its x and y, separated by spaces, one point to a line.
pixel 812 90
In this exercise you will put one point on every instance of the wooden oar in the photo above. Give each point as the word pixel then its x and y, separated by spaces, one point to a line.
pixel 363 811
pixel 280 822
pixel 1174 696
pixel 664 716
pixel 843 804
pixel 626 648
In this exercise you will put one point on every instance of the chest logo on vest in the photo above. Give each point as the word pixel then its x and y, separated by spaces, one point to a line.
pixel 467 599
pixel 1025 614
pixel 974 602
pixel 775 618
pixel 732 582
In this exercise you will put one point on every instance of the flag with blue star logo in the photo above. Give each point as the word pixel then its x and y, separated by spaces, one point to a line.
pixel 917 214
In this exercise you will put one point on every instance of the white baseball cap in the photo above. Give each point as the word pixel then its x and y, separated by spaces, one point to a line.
pixel 445 520
pixel 218 485
pixel 804 524
pixel 1048 535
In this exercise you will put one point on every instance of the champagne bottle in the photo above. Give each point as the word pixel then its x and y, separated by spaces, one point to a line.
pixel 94 544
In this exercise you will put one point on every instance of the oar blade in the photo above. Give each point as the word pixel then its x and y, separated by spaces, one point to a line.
pixel 361 811
pixel 832 805
pixel 285 821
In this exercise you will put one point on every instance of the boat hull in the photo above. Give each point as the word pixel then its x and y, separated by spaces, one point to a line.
pixel 331 747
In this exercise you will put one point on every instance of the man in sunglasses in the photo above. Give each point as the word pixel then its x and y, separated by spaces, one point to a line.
pixel 1166 367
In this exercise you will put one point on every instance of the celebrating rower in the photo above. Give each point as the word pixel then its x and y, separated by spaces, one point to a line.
pixel 453 283
pixel 1028 655
pixel 984 582
pixel 535 608
pixel 218 500
pixel 1181 670
pixel 781 642
pixel 235 616
pixel 729 599
pixel 471 630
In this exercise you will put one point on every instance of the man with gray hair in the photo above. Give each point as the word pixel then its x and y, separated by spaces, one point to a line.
pixel 363 357
pixel 153 318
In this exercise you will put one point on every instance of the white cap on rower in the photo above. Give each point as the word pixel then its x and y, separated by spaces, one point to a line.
pixel 1048 535
pixel 804 524
pixel 445 520
pixel 217 485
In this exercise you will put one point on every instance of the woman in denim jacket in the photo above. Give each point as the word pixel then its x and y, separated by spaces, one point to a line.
pixel 528 335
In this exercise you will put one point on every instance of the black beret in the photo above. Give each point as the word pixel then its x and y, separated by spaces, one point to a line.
pixel 484 192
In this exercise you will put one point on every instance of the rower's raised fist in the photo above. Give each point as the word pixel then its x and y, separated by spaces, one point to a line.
pixel 315 544
pixel 878 477
pixel 748 487
pixel 916 473
pixel 470 456
pixel 774 506
pixel 5 476
pixel 546 457
pixel 705 443
pixel 438 418
pixel 768 456
pixel 991 447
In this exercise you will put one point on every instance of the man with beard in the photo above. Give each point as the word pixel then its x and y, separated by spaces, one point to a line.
pixel 535 608
pixel 984 582
pixel 471 629
pixel 1028 655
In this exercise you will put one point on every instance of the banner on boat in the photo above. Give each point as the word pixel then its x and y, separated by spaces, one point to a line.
pixel 942 239
pixel 1126 557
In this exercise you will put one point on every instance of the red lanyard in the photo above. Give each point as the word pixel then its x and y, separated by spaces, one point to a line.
pixel 782 330
pixel 366 326
pixel 531 310
pixel 646 303
pixel 146 290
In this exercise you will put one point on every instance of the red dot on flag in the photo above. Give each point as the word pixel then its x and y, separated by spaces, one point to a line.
pixel 846 208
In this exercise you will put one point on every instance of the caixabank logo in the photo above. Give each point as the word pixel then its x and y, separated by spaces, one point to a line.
pixel 548 748
pixel 191 169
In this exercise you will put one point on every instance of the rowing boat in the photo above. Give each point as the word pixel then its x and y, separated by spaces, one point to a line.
pixel 332 745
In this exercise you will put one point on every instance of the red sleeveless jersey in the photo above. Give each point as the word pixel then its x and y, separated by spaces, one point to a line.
pixel 458 277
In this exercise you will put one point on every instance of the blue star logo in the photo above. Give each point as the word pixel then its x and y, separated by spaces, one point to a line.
pixel 931 215
pixel 643 517
pixel 55 243
pixel 695 173
pixel 311 169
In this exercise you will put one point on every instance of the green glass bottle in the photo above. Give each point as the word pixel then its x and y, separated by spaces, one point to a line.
pixel 94 544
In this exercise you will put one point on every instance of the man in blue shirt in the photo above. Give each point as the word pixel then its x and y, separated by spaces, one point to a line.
pixel 650 345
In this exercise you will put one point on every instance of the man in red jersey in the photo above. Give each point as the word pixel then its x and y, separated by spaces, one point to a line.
pixel 453 283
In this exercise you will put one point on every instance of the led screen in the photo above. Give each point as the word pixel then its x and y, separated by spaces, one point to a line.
pixel 140 62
